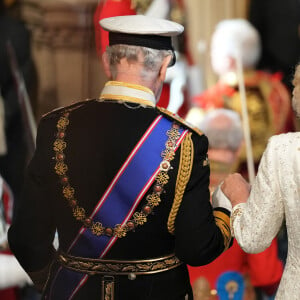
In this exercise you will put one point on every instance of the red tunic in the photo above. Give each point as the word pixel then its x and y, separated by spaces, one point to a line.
pixel 106 9
pixel 264 269
pixel 267 86
pixel 268 104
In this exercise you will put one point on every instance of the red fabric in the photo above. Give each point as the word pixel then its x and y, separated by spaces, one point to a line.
pixel 165 96
pixel 184 108
pixel 271 88
pixel 9 294
pixel 214 97
pixel 265 268
pixel 106 9
pixel 8 201
pixel 97 28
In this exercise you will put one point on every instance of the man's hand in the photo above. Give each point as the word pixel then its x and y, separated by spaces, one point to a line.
pixel 236 188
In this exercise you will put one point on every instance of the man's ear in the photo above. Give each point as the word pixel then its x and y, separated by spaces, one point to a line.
pixel 106 65
pixel 164 66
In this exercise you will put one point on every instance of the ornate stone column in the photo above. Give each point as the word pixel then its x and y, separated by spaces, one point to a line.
pixel 63 47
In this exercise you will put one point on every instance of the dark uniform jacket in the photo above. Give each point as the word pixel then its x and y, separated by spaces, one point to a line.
pixel 99 137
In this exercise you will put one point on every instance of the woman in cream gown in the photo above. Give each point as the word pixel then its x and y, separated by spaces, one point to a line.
pixel 275 195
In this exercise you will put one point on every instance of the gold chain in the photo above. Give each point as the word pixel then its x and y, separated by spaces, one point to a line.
pixel 138 218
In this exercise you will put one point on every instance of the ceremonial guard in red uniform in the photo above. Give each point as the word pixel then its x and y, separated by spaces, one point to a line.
pixel 268 101
pixel 123 182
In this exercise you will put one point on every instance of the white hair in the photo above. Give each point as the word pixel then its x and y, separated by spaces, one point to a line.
pixel 223 129
pixel 235 37
pixel 296 91
pixel 151 58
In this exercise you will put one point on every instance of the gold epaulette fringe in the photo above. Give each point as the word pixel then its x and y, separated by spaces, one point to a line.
pixel 184 173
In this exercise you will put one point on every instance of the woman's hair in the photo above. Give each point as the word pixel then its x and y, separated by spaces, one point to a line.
pixel 296 91
pixel 151 58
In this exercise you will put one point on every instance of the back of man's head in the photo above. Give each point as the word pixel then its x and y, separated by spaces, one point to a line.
pixel 150 59
pixel 223 128
pixel 233 38
pixel 141 39
pixel 140 49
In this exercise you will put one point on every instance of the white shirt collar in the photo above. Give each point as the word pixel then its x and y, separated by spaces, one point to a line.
pixel 128 92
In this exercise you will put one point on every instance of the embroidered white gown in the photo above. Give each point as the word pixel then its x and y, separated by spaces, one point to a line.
pixel 275 195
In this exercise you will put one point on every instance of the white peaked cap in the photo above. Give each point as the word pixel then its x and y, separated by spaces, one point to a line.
pixel 141 25
pixel 144 31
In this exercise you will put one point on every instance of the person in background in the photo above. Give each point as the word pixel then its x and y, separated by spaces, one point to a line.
pixel 12 276
pixel 123 182
pixel 224 130
pixel 262 272
pixel 14 157
pixel 268 101
pixel 259 210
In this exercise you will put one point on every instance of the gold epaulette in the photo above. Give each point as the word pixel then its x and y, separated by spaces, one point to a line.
pixel 67 108
pixel 179 120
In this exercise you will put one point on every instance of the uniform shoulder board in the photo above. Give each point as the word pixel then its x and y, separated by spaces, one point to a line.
pixel 179 119
pixel 67 108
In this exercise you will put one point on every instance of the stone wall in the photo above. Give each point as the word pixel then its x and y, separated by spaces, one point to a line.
pixel 64 51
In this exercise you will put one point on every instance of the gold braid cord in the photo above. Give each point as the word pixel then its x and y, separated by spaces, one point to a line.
pixel 223 222
pixel 184 173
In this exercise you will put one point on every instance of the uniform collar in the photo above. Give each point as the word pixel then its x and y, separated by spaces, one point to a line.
pixel 128 92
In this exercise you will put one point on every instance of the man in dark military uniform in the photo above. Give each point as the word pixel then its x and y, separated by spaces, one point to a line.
pixel 124 183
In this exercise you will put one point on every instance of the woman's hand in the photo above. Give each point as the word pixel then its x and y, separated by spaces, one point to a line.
pixel 236 188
